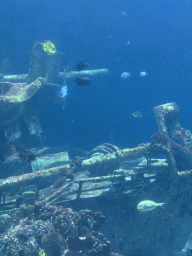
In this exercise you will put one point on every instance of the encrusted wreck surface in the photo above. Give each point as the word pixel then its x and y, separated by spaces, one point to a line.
pixel 113 181
pixel 44 65
pixel 14 94
pixel 167 118
pixel 115 157
pixel 45 158
pixel 176 141
pixel 18 94
pixel 95 162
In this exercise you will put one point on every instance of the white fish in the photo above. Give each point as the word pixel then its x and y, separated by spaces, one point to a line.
pixel 125 75
pixel 64 91
pixel 64 88
pixel 148 205
pixel 143 74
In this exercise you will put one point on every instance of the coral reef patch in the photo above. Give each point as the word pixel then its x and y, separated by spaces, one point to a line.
pixel 53 229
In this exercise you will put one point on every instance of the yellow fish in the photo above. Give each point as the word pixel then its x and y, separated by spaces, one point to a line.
pixel 148 205
pixel 49 48
pixel 42 253
pixel 137 114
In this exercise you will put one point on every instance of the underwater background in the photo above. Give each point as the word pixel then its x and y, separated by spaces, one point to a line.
pixel 147 47
pixel 160 43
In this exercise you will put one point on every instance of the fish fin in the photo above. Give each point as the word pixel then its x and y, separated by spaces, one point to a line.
pixel 162 204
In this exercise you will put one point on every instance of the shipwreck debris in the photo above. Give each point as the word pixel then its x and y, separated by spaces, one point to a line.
pixel 18 94
pixel 172 140
pixel 14 182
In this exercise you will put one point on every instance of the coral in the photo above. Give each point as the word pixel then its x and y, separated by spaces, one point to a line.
pixel 94 243
pixel 54 229
pixel 163 144
pixel 158 144
pixel 76 163
pixel 92 220
pixel 65 222
pixel 52 243
pixel 22 239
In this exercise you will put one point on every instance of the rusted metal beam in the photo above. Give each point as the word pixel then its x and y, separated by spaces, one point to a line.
pixel 72 74
pixel 14 182
pixel 116 157
pixel 178 139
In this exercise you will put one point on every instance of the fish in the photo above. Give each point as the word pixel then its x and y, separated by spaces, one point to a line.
pixel 28 195
pixel 137 114
pixel 143 73
pixel 83 81
pixel 28 156
pixel 4 216
pixel 42 253
pixel 82 65
pixel 148 205
pixel 49 48
pixel 64 91
pixel 125 75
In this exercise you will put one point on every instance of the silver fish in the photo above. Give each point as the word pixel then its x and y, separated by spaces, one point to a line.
pixel 148 205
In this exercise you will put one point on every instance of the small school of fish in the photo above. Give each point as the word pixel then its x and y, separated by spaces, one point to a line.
pixel 148 205
pixel 126 75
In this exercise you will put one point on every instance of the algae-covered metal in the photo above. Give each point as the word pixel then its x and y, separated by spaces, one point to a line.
pixel 52 173
pixel 177 140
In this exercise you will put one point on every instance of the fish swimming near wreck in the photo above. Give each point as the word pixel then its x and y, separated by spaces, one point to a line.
pixel 49 48
pixel 26 197
pixel 42 253
pixel 148 205
pixel 82 65
pixel 83 81
pixel 27 156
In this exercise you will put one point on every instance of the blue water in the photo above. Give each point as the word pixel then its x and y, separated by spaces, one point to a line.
pixel 97 32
